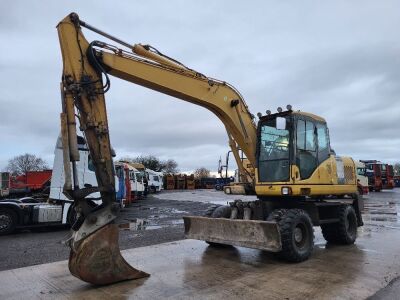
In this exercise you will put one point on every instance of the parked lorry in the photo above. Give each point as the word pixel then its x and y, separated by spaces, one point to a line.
pixel 125 195
pixel 362 179
pixel 380 175
pixel 138 180
pixel 374 174
pixel 387 176
pixel 155 181
pixel 56 209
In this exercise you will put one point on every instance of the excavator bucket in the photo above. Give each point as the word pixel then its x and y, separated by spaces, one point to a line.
pixel 97 259
pixel 255 234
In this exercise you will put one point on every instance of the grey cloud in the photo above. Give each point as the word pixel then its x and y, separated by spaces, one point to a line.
pixel 340 60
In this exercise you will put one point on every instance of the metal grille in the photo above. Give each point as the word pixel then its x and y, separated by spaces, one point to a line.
pixel 348 174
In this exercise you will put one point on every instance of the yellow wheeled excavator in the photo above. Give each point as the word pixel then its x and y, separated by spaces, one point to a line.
pixel 299 181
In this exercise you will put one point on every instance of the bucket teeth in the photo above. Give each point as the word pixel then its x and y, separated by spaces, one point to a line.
pixel 98 260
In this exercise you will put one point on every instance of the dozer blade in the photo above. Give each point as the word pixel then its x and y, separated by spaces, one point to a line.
pixel 98 260
pixel 255 234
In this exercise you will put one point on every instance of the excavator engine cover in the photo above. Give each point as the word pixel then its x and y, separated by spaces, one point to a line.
pixel 255 234
pixel 97 259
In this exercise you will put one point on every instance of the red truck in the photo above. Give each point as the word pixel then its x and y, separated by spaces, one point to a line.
pixel 30 183
pixel 374 173
pixel 387 176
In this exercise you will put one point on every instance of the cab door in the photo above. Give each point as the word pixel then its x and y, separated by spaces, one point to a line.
pixel 325 159
pixel 313 157
pixel 306 148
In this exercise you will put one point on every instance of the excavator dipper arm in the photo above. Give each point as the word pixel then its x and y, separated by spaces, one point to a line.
pixel 95 255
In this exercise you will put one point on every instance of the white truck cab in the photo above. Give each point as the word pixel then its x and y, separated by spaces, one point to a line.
pixel 86 177
pixel 155 180
pixel 362 178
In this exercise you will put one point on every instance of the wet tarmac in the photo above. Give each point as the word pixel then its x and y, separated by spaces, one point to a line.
pixel 146 222
pixel 190 269
pixel 205 196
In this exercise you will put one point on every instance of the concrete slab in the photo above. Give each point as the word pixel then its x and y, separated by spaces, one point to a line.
pixel 206 196
pixel 189 269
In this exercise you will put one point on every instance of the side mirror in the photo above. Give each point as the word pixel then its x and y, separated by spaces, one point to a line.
pixel 280 123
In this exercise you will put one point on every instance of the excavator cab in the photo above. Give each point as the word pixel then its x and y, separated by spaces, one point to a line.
pixel 294 157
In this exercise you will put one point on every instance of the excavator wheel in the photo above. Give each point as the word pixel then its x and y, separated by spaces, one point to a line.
pixel 97 259
pixel 223 211
pixel 297 234
pixel 343 232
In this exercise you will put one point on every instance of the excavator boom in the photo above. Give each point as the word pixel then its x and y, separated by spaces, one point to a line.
pixel 295 176
pixel 95 255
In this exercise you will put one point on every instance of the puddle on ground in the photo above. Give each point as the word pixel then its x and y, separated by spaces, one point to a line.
pixel 159 216
pixel 144 224
pixel 177 222
pixel 177 211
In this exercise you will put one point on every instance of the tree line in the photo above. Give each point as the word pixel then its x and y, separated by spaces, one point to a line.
pixel 21 164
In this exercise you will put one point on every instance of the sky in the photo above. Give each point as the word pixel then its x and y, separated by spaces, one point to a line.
pixel 336 59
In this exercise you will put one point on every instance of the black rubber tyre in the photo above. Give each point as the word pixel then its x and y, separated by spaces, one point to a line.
pixel 345 231
pixel 297 234
pixel 223 211
pixel 71 216
pixel 8 221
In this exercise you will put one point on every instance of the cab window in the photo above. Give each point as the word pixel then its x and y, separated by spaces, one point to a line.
pixel 139 177
pixel 273 157
pixel 361 171
pixel 310 138
pixel 306 158
pixel 323 142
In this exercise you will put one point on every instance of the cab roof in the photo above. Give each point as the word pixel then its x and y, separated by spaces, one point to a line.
pixel 291 112
pixel 310 115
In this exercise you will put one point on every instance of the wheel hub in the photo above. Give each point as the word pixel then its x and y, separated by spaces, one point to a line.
pixel 298 235
pixel 5 221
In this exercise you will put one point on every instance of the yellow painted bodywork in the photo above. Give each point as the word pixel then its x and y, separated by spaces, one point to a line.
pixel 152 70
pixel 323 181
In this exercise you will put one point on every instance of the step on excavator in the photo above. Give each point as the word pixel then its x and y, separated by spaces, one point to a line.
pixel 299 181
